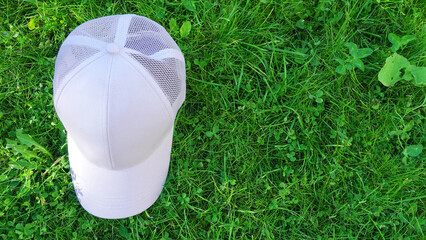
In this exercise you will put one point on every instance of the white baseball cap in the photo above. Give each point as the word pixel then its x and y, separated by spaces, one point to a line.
pixel 118 84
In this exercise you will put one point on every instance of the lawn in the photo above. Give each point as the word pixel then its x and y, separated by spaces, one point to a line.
pixel 295 125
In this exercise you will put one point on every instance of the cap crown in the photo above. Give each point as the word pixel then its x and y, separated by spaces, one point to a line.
pixel 118 84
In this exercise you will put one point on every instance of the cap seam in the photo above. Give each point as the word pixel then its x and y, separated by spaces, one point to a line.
pixel 108 150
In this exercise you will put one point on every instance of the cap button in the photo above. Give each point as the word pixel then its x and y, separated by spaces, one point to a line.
pixel 113 48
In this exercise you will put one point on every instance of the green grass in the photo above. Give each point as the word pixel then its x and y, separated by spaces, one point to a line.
pixel 271 142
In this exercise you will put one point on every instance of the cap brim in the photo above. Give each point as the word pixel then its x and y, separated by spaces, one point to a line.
pixel 123 193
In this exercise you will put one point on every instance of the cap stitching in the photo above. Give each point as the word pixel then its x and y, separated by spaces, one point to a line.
pixel 109 154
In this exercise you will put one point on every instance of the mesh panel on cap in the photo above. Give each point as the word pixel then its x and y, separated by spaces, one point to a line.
pixel 69 57
pixel 164 73
pixel 145 44
pixel 140 24
pixel 103 29
pixel 148 38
